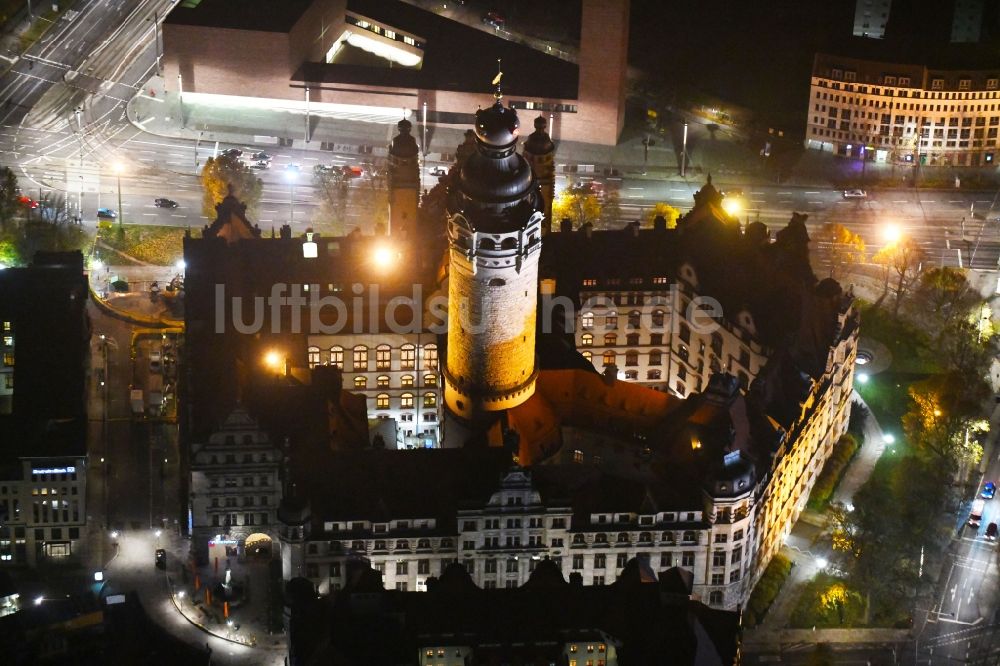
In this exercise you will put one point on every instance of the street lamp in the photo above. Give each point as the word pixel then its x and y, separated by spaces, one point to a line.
pixel 892 233
pixel 732 206
pixel 118 167
pixel 291 175
pixel 384 257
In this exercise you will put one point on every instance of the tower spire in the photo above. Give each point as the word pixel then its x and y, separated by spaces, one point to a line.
pixel 496 81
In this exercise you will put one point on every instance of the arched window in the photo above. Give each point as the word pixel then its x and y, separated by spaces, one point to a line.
pixel 601 538
pixel 654 375
pixel 609 358
pixel 611 320
pixel 383 357
pixel 689 537
pixel 430 400
pixel 588 355
pixel 402 544
pixel 313 356
pixel 587 320
pixel 337 356
pixel 578 539
pixel 407 357
pixel 645 537
pixel 430 357
pixel 406 381
pixel 684 333
pixel 622 537
pixel 587 340
pixel 406 400
pixel 631 357
pixel 657 318
pixel 487 244
pixel 360 382
pixel 714 364
pixel 656 357
pixel 632 339
pixel 633 319
pixel 360 358
pixel 430 380
pixel 496 282
pixel 382 401
pixel 382 381
pixel 610 339
pixel 668 538
pixel 424 543
pixel 509 243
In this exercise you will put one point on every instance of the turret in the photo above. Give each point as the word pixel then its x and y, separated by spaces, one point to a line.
pixel 294 528
pixel 494 233
pixel 404 180
pixel 540 153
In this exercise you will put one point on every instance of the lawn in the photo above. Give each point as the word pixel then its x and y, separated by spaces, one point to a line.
pixel 906 342
pixel 161 246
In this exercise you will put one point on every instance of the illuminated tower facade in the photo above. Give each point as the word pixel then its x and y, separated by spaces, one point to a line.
pixel 541 155
pixel 495 238
pixel 404 180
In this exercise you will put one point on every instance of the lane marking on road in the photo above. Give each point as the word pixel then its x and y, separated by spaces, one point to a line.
pixel 813 192
pixel 815 202
pixel 902 201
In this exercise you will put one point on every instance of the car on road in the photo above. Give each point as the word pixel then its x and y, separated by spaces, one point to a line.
pixel 991 532
pixel 439 171
pixel 161 558
pixel 989 490
pixel 232 152
pixel 164 203
pixel 155 360
pixel 260 156
pixel 494 19
pixel 855 194
pixel 733 193
pixel 976 514
pixel 106 214
pixel 261 165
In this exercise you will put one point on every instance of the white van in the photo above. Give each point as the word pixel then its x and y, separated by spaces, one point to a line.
pixel 976 515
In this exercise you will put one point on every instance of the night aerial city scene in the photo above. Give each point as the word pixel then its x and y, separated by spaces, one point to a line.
pixel 499 332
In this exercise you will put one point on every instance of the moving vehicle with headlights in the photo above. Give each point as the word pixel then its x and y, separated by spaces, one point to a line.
pixel 989 490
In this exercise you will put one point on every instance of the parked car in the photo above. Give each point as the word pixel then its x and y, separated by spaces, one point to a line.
pixel 439 171
pixel 855 194
pixel 989 490
pixel 164 203
pixel 106 214
pixel 232 152
pixel 991 532
pixel 161 558
pixel 494 20
pixel 352 171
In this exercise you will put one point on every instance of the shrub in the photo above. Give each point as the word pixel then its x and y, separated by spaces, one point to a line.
pixel 826 483
pixel 767 589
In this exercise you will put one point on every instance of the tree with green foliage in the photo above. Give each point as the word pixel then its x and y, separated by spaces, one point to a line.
pixel 664 210
pixel 945 417
pixel 222 172
pixel 942 297
pixel 577 203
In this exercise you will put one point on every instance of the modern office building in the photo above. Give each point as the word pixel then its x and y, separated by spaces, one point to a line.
pixel 374 61
pixel 870 18
pixel 903 113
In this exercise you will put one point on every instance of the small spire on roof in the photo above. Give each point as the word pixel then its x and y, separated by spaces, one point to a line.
pixel 496 81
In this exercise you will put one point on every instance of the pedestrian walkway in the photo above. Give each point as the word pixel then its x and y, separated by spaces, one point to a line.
pixel 863 464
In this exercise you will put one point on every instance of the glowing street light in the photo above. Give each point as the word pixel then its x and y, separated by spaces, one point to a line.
pixel 384 257
pixel 272 359
pixel 889 438
pixel 821 562
pixel 96 264
pixel 39 600
pixel 118 168
pixel 114 534
pixel 863 377
pixel 732 206
pixel 180 265
pixel 891 233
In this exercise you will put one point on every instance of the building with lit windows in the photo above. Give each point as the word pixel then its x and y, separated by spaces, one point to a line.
pixel 235 490
pixel 371 60
pixel 902 113
pixel 870 18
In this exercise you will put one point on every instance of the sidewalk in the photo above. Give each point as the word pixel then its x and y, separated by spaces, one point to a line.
pixel 861 467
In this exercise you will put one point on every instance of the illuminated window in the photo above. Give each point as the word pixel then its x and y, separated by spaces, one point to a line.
pixel 383 357
pixel 590 282
pixel 406 400
pixel 609 358
pixel 8 340
pixel 430 357
pixel 610 339
pixel 587 340
pixel 313 355
pixel 409 40
pixel 390 34
pixel 430 380
pixel 588 355
pixel 382 381
pixel 337 356
pixel 407 357
pixel 382 401
pixel 578 458
pixel 360 382
pixel 587 320
pixel 6 327
pixel 430 399
pixel 360 358
pixel 406 381
pixel 8 359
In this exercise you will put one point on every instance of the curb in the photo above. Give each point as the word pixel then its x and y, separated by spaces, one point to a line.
pixel 199 625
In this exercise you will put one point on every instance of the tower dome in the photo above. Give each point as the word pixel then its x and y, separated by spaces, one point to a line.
pixel 540 153
pixel 497 127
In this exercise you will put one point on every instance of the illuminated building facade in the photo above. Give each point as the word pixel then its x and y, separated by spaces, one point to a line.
pixel 887 112
pixel 368 60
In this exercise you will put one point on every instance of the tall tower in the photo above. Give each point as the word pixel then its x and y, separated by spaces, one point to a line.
pixel 540 153
pixel 404 180
pixel 495 238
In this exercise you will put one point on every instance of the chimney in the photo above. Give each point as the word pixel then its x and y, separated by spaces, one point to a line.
pixel 566 225
pixel 634 226
pixel 660 223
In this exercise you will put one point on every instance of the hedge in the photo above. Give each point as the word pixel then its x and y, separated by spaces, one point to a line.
pixel 767 589
pixel 826 483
